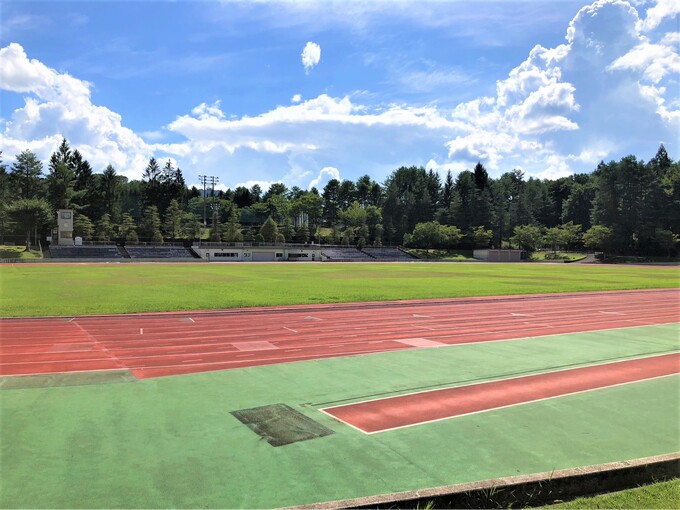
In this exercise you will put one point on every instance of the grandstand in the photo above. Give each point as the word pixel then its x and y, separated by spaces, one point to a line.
pixel 344 254
pixel 159 252
pixel 388 253
pixel 85 252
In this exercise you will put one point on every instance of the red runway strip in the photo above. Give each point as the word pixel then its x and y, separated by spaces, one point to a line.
pixel 153 345
pixel 394 412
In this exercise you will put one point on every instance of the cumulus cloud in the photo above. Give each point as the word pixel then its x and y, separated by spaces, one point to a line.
pixel 654 61
pixel 311 55
pixel 603 80
pixel 325 175
pixel 296 98
pixel 58 105
pixel 661 10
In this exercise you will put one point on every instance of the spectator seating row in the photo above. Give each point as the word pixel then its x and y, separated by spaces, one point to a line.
pixel 158 252
pixel 85 252
pixel 345 254
pixel 388 253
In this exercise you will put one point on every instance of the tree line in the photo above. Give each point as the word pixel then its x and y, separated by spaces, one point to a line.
pixel 628 206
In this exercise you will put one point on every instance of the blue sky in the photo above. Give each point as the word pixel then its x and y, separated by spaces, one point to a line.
pixel 301 92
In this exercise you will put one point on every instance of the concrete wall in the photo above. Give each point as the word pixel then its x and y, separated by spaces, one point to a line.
pixel 216 253
pixel 498 255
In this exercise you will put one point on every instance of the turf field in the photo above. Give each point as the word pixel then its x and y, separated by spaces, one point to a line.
pixel 77 289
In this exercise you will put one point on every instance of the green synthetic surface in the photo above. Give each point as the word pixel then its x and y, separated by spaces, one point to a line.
pixel 18 382
pixel 77 289
pixel 173 442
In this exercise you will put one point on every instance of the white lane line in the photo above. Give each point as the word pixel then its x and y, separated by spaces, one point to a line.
pixel 422 327
pixel 422 316
pixel 292 350
pixel 310 318
pixel 284 327
pixel 254 346
pixel 611 313
pixel 141 331
pixel 521 315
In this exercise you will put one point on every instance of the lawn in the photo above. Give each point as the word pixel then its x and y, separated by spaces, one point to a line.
pixel 78 289
pixel 656 495
pixel 18 252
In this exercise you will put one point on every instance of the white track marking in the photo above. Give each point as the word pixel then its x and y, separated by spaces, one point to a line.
pixel 611 313
pixel 422 327
pixel 422 316
pixel 310 318
pixel 420 342
pixel 254 346
pixel 284 327
pixel 521 315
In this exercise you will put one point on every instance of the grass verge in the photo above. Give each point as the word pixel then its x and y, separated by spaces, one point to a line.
pixel 78 289
pixel 18 252
pixel 541 256
pixel 449 255
pixel 656 495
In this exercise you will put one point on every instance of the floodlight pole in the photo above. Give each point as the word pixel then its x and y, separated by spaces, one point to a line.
pixel 203 179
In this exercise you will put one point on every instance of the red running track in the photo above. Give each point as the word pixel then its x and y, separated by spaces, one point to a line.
pixel 425 407
pixel 153 345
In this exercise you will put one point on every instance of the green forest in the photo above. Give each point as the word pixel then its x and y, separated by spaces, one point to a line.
pixel 629 207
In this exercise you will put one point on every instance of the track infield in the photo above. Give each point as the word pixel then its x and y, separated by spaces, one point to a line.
pixel 139 440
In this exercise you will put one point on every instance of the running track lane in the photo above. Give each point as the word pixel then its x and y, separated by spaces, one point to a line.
pixel 153 345
pixel 424 407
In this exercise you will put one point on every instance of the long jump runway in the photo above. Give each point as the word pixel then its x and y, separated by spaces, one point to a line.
pixel 164 344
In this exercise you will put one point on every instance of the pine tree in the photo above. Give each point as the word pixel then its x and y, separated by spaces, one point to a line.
pixel 105 229
pixel 127 229
pixel 151 225
pixel 172 221
pixel 25 175
pixel 82 226
pixel 269 230
pixel 232 230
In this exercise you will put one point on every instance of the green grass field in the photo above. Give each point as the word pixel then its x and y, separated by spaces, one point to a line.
pixel 76 289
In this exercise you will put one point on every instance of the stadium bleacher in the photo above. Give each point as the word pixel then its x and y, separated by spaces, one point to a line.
pixel 85 252
pixel 339 254
pixel 158 252
pixel 388 253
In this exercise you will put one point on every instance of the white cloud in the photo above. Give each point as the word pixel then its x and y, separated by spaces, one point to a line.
pixel 661 10
pixel 605 80
pixel 59 106
pixel 296 98
pixel 325 175
pixel 655 61
pixel 311 55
